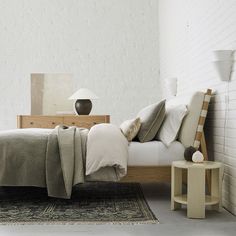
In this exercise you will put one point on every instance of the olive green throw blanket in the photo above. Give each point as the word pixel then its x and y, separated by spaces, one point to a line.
pixel 44 158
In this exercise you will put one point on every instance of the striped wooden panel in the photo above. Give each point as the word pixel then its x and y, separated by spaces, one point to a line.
pixel 202 119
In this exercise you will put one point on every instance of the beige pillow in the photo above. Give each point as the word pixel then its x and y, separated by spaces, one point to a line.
pixel 151 118
pixel 130 128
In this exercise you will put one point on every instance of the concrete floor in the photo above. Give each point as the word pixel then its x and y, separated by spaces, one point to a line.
pixel 171 222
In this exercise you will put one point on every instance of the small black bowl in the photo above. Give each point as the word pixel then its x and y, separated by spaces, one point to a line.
pixel 188 153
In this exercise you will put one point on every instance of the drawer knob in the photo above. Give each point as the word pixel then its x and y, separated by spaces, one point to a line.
pixel 73 123
pixel 94 123
pixel 53 123
pixel 31 122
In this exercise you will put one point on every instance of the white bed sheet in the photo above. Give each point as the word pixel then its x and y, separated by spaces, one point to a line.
pixel 154 153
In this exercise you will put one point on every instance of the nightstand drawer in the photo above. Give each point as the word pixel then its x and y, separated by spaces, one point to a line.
pixel 84 121
pixel 41 122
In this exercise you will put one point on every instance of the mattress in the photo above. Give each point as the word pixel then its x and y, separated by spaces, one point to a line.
pixel 154 153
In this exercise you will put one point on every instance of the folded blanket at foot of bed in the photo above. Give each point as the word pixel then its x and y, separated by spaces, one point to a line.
pixel 65 157
pixel 56 159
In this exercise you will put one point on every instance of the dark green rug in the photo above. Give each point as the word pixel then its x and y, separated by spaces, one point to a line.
pixel 94 203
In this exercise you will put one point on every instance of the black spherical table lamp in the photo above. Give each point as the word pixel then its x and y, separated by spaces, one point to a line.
pixel 83 104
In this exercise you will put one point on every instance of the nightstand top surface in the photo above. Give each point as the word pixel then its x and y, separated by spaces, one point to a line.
pixel 205 164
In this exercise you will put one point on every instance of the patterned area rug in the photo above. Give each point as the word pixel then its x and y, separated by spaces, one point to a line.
pixel 94 203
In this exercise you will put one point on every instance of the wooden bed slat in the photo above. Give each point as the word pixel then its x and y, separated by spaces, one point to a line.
pixel 144 174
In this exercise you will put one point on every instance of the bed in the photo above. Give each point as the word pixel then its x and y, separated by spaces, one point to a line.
pixel 44 158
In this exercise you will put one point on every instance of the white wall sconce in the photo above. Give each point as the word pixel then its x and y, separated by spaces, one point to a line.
pixel 172 86
pixel 223 62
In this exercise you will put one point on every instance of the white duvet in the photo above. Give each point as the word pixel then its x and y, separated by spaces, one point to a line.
pixel 107 153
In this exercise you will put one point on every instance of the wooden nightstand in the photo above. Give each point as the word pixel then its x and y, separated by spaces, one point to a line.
pixel 28 121
pixel 196 199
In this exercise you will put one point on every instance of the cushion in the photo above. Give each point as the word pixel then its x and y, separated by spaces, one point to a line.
pixel 151 118
pixel 130 128
pixel 171 125
pixel 194 102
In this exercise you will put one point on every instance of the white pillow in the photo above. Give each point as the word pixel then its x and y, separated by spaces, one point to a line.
pixel 171 124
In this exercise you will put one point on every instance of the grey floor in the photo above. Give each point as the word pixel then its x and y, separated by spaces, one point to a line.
pixel 171 222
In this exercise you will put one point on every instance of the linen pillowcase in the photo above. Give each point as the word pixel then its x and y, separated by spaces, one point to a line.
pixel 151 118
pixel 130 128
pixel 172 123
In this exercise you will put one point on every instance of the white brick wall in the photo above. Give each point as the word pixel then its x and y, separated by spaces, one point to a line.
pixel 189 31
pixel 110 46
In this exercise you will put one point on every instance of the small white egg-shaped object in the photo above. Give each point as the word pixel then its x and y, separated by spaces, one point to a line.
pixel 197 157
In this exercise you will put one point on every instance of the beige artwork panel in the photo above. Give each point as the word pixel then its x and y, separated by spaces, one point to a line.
pixel 50 92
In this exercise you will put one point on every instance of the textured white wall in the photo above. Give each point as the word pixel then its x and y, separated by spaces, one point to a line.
pixel 109 46
pixel 189 31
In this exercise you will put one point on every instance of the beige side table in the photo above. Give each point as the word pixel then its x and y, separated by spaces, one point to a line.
pixel 196 198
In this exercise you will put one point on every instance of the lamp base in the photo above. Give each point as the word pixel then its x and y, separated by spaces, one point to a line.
pixel 83 106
